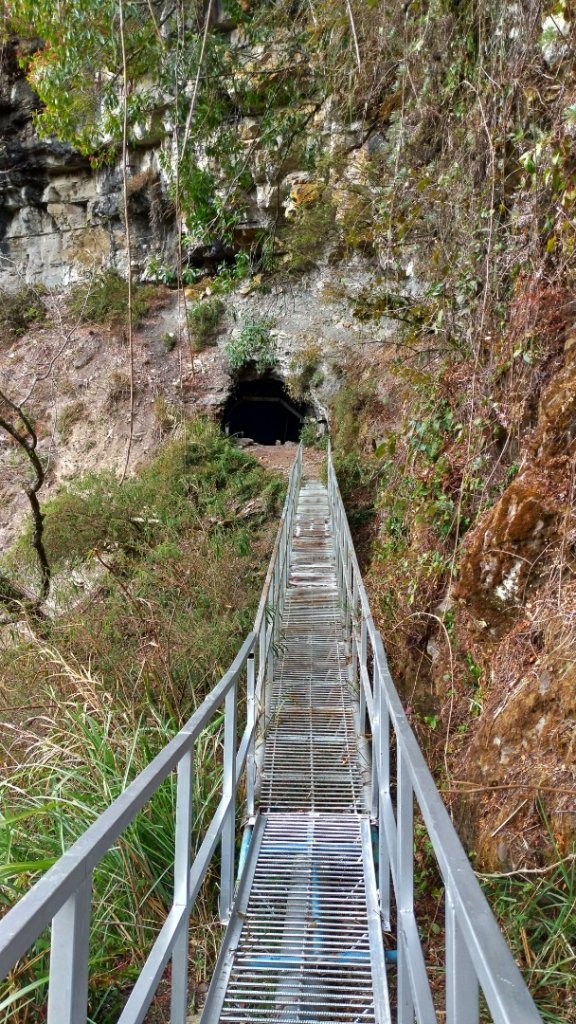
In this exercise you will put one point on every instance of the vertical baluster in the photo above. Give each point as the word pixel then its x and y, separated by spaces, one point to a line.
pixel 275 597
pixel 363 666
pixel 184 793
pixel 462 1004
pixel 68 986
pixel 384 800
pixel 250 722
pixel 284 563
pixel 355 600
pixel 271 642
pixel 348 605
pixel 229 792
pixel 376 741
pixel 405 886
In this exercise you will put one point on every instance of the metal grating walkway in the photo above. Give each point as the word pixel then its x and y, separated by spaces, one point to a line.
pixel 304 943
pixel 312 760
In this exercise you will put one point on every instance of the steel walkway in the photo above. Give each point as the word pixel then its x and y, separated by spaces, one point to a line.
pixel 314 835
pixel 304 942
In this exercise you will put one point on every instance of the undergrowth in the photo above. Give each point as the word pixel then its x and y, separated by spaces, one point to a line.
pixel 104 300
pixel 204 316
pixel 172 560
pixel 538 916
pixel 21 310
pixel 254 345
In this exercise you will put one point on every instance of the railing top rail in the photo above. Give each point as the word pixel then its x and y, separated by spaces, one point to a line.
pixel 507 995
pixel 363 596
pixel 22 925
pixel 293 481
pixel 496 968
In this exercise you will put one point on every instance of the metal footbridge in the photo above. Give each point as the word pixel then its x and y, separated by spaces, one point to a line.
pixel 314 833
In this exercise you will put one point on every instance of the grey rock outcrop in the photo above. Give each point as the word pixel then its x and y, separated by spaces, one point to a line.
pixel 61 218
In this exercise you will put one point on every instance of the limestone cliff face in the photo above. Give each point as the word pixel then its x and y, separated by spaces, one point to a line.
pixel 59 217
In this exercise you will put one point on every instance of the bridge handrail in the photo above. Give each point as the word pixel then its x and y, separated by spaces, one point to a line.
pixel 62 897
pixel 477 955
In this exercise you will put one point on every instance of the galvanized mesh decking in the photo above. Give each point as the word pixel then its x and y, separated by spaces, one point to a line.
pixel 312 760
pixel 305 943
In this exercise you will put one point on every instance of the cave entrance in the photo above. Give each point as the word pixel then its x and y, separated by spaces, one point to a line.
pixel 263 410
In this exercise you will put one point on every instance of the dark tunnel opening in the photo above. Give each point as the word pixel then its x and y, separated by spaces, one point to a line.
pixel 263 410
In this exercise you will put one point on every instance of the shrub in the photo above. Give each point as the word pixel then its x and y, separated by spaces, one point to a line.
pixel 166 415
pixel 254 344
pixel 304 371
pixel 20 310
pixel 69 416
pixel 104 299
pixel 204 316
pixel 119 387
pixel 169 340
pixel 311 437
pixel 306 237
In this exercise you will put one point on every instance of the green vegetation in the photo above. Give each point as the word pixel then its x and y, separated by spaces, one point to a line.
pixel 538 917
pixel 20 310
pixel 204 317
pixel 104 300
pixel 175 571
pixel 310 436
pixel 458 196
pixel 305 371
pixel 69 416
pixel 169 341
pixel 306 236
pixel 253 345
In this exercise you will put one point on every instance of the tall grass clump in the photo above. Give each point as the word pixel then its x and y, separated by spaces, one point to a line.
pixel 174 560
pixel 537 912
pixel 53 798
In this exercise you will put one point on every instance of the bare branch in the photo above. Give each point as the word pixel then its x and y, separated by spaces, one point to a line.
pixel 27 441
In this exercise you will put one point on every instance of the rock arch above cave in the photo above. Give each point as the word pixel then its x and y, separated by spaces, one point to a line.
pixel 263 410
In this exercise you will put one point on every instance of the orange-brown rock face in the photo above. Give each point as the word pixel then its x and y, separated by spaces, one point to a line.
pixel 511 547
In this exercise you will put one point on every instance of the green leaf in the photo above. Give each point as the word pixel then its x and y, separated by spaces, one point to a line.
pixel 19 867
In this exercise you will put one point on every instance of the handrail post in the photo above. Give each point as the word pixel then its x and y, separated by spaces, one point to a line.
pixel 354 623
pixel 182 843
pixel 68 985
pixel 348 615
pixel 462 1004
pixel 383 783
pixel 405 885
pixel 250 724
pixel 363 664
pixel 229 794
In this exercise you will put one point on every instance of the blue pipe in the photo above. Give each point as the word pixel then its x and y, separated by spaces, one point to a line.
pixel 347 956
pixel 245 846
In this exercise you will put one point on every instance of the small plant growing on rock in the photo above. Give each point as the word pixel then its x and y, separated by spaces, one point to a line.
pixel 165 414
pixel 304 371
pixel 119 387
pixel 204 317
pixel 169 341
pixel 20 310
pixel 104 299
pixel 69 416
pixel 311 435
pixel 254 344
